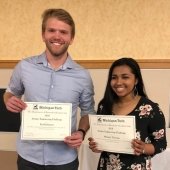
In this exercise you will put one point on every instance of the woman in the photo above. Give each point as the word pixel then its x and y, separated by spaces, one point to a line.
pixel 125 95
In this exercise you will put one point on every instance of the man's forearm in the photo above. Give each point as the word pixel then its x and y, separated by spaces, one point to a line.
pixel 84 123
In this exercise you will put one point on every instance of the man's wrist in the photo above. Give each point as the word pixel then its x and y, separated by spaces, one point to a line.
pixel 83 132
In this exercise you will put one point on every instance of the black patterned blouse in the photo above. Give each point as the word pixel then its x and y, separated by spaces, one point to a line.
pixel 150 127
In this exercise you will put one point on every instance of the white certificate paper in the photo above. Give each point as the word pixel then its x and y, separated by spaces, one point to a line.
pixel 46 121
pixel 113 133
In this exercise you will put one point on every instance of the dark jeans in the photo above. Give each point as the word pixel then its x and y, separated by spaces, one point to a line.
pixel 26 165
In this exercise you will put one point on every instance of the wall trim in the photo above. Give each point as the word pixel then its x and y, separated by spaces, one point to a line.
pixel 103 64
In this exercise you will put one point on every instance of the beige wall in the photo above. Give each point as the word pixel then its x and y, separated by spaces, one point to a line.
pixel 106 29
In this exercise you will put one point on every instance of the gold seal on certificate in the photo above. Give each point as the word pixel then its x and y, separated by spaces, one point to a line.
pixel 46 121
pixel 113 133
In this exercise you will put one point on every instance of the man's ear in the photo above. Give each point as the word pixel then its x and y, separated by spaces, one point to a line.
pixel 72 39
pixel 42 35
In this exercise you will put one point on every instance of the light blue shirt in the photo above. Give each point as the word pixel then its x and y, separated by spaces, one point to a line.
pixel 38 82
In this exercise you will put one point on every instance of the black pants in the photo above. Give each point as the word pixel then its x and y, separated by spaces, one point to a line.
pixel 26 165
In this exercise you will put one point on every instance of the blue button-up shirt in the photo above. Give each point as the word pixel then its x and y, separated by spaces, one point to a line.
pixel 38 82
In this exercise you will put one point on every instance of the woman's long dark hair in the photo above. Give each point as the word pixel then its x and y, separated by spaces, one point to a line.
pixel 105 105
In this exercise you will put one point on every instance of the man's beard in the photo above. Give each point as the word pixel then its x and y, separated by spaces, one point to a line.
pixel 59 52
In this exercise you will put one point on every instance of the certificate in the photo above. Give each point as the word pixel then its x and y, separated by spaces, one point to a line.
pixel 46 121
pixel 113 133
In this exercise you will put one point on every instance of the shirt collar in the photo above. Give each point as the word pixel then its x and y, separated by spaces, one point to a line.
pixel 42 59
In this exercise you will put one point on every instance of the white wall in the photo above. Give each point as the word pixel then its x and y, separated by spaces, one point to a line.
pixel 157 82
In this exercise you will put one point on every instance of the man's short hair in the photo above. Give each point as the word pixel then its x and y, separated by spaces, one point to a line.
pixel 61 15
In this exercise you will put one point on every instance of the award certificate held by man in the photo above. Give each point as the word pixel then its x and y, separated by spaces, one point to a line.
pixel 46 121
pixel 113 133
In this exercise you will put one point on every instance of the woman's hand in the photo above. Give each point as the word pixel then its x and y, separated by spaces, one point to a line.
pixel 139 147
pixel 93 145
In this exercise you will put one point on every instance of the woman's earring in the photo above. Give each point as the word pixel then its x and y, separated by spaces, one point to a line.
pixel 135 91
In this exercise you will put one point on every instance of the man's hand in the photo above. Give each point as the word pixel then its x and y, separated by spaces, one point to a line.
pixel 75 140
pixel 15 104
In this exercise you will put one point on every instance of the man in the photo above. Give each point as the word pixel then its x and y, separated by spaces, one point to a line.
pixel 52 77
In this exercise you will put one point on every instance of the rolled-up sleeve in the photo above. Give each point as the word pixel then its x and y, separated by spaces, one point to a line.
pixel 15 85
pixel 87 97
